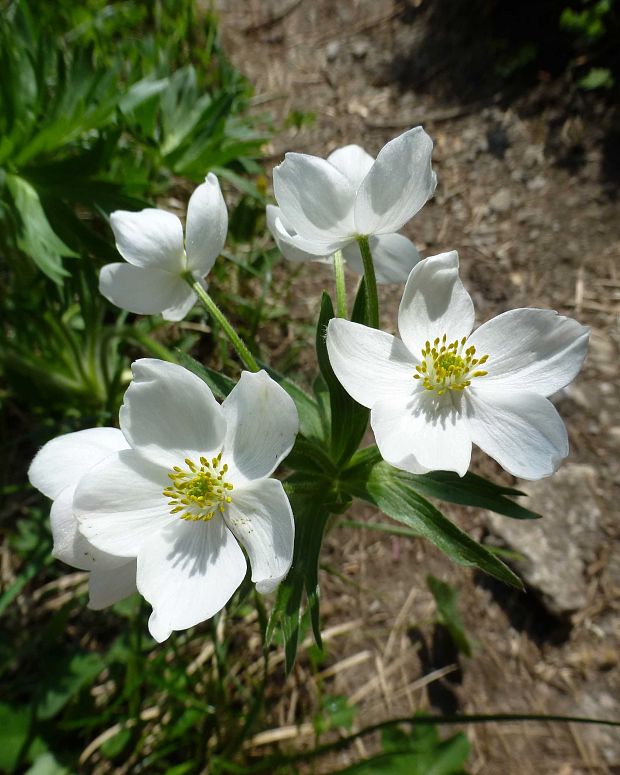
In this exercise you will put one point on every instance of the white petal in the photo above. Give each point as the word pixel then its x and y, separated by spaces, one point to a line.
pixel 296 248
pixel 286 239
pixel 425 434
pixel 261 518
pixel 315 198
pixel 206 227
pixel 261 425
pixel 533 350
pixel 435 303
pixel 109 585
pixel 142 291
pixel 179 310
pixel 353 162
pixel 393 255
pixel 149 238
pixel 120 503
pixel 522 431
pixel 70 545
pixel 63 460
pixel 188 572
pixel 370 364
pixel 169 413
pixel 399 183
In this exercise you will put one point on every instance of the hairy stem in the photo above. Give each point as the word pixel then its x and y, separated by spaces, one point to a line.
pixel 372 300
pixel 216 313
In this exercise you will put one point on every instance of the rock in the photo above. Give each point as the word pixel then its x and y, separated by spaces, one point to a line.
pixel 360 47
pixel 332 50
pixel 556 549
pixel 501 201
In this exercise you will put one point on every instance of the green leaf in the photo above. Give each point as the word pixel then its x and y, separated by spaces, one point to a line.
pixel 47 764
pixel 65 680
pixel 335 713
pixel 597 78
pixel 36 237
pixel 220 384
pixel 14 735
pixel 117 744
pixel 419 752
pixel 394 492
pixel 349 419
pixel 310 423
pixel 468 490
pixel 311 515
pixel 448 613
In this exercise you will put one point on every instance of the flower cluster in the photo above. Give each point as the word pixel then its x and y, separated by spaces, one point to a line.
pixel 165 504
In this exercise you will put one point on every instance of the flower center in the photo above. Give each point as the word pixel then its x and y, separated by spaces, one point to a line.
pixel 198 492
pixel 449 366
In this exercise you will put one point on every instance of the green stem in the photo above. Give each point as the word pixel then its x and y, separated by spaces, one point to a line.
pixel 341 288
pixel 217 314
pixel 372 300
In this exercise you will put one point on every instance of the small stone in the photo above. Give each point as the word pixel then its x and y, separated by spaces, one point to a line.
pixel 501 201
pixel 359 48
pixel 332 50
pixel 556 549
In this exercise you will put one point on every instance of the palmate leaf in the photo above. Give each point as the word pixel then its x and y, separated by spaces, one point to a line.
pixel 394 492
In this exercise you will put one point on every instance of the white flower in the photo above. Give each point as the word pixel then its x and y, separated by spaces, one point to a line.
pixel 193 484
pixel 325 204
pixel 441 388
pixel 151 241
pixel 56 471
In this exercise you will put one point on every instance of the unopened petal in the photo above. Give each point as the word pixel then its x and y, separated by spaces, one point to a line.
pixel 399 183
pixel 169 414
pixel 107 585
pixel 393 255
pixel 142 291
pixel 370 364
pixel 188 572
pixel 261 425
pixel 435 303
pixel 423 434
pixel 261 518
pixel 149 238
pixel 206 227
pixel 533 350
pixel 522 431
pixel 353 162
pixel 316 199
pixel 63 460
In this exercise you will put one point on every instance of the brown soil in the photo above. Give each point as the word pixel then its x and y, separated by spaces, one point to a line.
pixel 526 194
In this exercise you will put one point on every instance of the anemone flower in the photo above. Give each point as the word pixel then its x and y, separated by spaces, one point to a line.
pixel 158 261
pixel 441 387
pixel 325 205
pixel 56 471
pixel 194 485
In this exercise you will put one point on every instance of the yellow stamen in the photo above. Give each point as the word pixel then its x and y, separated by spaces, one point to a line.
pixel 198 492
pixel 448 366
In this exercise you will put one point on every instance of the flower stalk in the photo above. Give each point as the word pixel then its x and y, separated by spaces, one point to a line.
pixel 372 300
pixel 341 288
pixel 216 313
